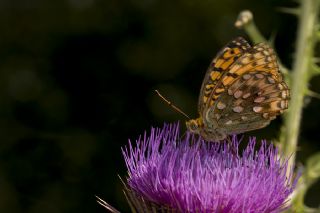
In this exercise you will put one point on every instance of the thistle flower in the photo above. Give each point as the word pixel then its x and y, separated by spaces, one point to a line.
pixel 173 174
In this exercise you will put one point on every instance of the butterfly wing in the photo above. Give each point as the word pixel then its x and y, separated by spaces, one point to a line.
pixel 261 58
pixel 255 93
pixel 220 64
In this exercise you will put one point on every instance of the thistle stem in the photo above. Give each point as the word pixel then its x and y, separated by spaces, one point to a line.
pixel 300 75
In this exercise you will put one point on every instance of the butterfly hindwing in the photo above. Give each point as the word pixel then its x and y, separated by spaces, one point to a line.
pixel 251 102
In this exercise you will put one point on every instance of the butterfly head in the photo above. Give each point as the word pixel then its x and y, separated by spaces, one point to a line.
pixel 209 133
pixel 194 125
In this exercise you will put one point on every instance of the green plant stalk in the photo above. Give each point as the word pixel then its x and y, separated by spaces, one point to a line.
pixel 300 75
pixel 253 32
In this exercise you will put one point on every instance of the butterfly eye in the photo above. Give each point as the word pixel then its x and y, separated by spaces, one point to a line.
pixel 192 126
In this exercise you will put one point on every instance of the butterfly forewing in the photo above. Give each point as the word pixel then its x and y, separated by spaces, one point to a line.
pixel 259 58
pixel 220 64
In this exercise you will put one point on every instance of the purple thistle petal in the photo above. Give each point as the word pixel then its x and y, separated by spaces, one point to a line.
pixel 207 177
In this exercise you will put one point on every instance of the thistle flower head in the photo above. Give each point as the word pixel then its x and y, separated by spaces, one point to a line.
pixel 190 175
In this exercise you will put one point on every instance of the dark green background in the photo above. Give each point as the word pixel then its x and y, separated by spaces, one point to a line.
pixel 77 80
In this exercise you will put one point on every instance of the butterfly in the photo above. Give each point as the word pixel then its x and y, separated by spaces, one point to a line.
pixel 242 90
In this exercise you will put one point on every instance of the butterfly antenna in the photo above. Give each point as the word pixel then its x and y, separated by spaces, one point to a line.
pixel 171 105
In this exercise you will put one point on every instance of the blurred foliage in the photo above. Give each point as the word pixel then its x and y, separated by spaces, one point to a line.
pixel 77 80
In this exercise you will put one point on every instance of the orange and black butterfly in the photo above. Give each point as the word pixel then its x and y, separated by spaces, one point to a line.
pixel 242 90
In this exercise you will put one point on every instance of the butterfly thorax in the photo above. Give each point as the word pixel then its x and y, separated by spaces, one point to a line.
pixel 208 131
